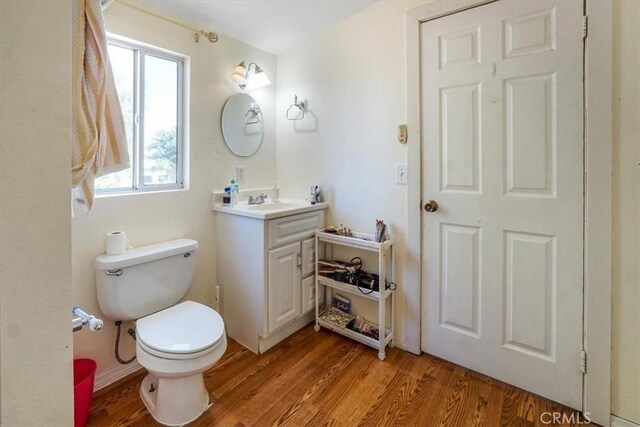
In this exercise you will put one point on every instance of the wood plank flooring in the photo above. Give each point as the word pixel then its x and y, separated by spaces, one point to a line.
pixel 325 379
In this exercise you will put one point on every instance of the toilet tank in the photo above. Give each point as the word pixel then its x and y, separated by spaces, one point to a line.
pixel 146 279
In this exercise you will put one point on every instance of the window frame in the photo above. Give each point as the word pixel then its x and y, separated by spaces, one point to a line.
pixel 140 52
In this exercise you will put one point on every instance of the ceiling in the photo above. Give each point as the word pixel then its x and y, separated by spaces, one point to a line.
pixel 271 25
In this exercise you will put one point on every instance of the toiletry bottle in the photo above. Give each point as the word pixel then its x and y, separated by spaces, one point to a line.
pixel 234 192
pixel 312 194
pixel 276 192
pixel 226 197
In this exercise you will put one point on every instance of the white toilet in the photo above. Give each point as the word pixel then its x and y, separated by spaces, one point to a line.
pixel 174 342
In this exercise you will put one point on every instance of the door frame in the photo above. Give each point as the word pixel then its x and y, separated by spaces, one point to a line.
pixel 597 186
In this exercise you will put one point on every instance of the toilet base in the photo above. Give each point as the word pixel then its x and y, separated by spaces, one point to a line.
pixel 175 401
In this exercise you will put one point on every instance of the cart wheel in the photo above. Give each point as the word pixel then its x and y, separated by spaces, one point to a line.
pixel 316 328
pixel 382 356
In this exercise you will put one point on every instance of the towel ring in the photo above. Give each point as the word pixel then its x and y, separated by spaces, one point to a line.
pixel 299 106
pixel 254 110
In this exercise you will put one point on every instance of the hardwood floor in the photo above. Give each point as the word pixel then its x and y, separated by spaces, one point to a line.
pixel 325 379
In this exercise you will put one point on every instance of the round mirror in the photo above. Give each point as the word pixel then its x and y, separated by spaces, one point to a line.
pixel 242 124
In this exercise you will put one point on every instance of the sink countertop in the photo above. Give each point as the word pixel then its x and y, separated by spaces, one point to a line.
pixel 270 210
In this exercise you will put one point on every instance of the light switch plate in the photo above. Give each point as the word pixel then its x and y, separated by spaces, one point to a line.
pixel 239 174
pixel 401 174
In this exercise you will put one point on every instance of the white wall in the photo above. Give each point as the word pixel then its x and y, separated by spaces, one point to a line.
pixel 35 230
pixel 150 218
pixel 626 211
pixel 353 77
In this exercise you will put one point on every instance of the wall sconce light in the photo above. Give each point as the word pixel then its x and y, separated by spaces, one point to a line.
pixel 247 79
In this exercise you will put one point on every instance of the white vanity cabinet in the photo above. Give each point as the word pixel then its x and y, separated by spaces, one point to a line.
pixel 265 270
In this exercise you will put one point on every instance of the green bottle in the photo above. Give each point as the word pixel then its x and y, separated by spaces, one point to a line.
pixel 234 192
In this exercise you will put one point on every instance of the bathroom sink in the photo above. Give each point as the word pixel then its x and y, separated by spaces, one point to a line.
pixel 269 209
pixel 274 206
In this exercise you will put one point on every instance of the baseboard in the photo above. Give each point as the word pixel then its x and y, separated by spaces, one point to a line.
pixel 404 344
pixel 401 343
pixel 114 374
pixel 621 422
pixel 281 334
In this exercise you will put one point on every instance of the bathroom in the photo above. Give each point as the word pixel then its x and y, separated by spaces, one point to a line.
pixel 352 76
pixel 297 161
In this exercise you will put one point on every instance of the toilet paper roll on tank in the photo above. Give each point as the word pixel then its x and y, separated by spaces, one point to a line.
pixel 117 243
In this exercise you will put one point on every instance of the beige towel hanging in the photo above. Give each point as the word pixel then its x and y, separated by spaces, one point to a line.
pixel 99 144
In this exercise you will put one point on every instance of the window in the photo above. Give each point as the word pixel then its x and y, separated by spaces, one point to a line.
pixel 150 86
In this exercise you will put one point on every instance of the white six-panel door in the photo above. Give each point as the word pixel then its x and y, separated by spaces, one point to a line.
pixel 502 111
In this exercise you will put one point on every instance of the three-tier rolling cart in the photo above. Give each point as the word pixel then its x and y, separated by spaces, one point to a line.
pixel 385 297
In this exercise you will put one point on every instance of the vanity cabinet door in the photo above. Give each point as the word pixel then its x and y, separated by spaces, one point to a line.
pixel 284 291
pixel 308 257
pixel 308 294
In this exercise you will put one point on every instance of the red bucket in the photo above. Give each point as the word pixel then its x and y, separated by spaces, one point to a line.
pixel 84 372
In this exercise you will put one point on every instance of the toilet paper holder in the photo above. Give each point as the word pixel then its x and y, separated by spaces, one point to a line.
pixel 83 318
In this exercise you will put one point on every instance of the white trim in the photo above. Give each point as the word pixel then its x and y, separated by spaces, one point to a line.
pixel 621 422
pixel 413 260
pixel 598 184
pixel 282 333
pixel 114 374
pixel 598 211
pixel 401 343
pixel 109 194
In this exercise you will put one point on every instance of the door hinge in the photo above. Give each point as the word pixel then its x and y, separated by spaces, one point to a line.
pixel 583 362
pixel 585 26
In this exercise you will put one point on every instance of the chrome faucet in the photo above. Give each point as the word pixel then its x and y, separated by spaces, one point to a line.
pixel 257 200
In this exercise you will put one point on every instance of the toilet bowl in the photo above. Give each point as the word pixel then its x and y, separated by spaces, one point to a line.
pixel 175 341
pixel 176 346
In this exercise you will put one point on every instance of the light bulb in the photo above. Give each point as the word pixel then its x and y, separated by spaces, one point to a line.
pixel 239 74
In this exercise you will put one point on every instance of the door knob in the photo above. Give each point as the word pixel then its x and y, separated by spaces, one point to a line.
pixel 431 206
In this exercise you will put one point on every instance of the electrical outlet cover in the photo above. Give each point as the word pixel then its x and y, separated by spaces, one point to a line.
pixel 401 174
pixel 239 173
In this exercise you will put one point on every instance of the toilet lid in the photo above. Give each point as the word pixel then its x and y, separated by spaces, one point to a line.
pixel 188 327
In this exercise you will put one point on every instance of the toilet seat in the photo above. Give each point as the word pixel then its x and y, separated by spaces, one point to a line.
pixel 185 331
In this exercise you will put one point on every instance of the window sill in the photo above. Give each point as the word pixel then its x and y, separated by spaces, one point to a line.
pixel 108 195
